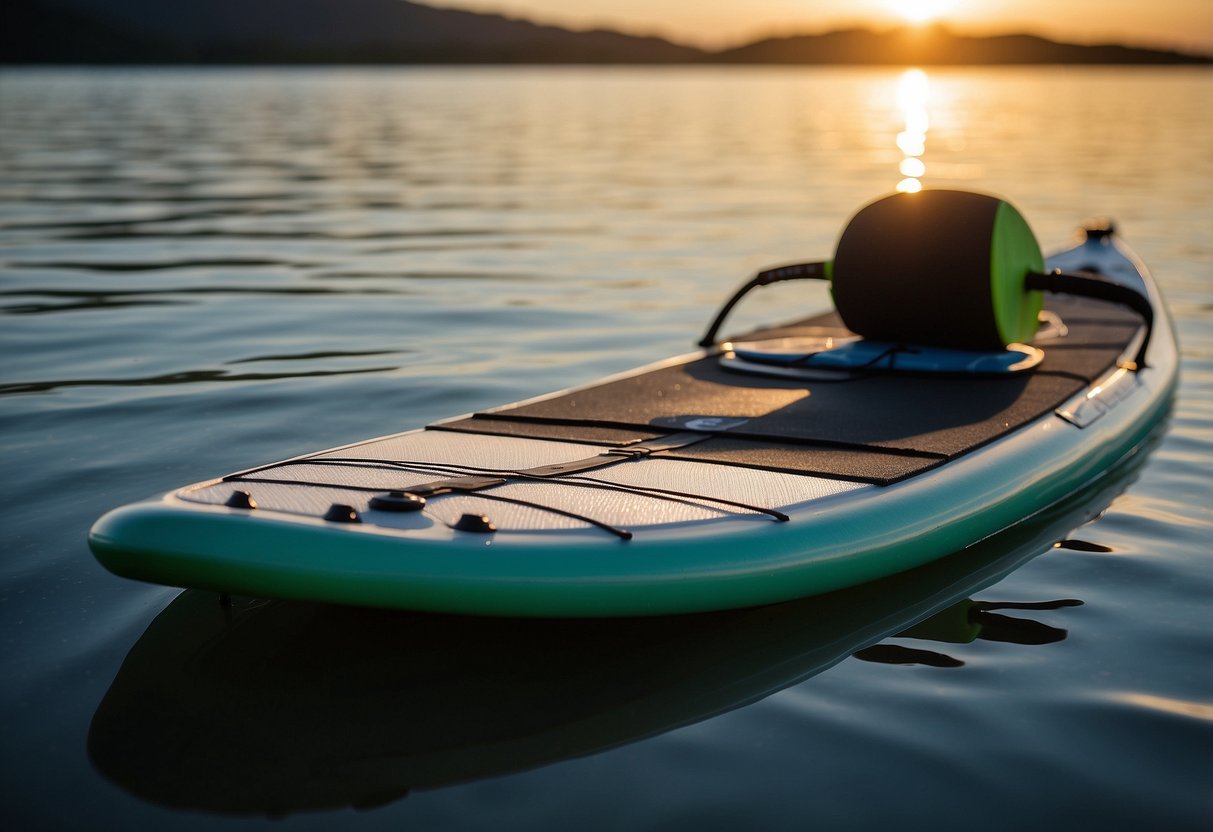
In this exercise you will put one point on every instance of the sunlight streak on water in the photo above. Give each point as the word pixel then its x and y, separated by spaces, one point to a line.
pixel 1196 710
pixel 913 93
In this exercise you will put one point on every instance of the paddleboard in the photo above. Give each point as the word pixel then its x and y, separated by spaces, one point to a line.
pixel 795 460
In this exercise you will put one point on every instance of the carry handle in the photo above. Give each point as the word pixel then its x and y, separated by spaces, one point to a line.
pixel 1094 285
pixel 796 271
pixel 1084 284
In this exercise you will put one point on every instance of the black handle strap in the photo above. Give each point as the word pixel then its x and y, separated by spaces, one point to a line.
pixel 796 271
pixel 1092 285
pixel 1087 284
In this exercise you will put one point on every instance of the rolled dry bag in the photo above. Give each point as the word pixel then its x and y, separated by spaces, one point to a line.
pixel 944 268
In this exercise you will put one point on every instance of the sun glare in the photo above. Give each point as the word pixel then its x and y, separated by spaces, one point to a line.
pixel 913 91
pixel 921 11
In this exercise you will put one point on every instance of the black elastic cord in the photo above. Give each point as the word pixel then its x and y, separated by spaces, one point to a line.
pixel 465 470
pixel 796 271
pixel 622 534
pixel 1092 285
pixel 843 374
pixel 468 470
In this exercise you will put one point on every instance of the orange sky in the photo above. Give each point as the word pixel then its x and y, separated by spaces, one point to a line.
pixel 1182 24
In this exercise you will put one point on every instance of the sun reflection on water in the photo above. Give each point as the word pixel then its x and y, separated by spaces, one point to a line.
pixel 913 89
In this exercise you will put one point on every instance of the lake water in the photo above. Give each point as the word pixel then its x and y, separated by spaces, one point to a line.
pixel 207 269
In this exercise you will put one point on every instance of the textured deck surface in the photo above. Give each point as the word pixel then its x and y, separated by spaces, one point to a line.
pixel 876 428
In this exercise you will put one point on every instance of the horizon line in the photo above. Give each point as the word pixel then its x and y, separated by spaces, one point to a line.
pixel 790 31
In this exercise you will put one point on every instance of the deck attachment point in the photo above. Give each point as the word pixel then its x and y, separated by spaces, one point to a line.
pixel 241 499
pixel 340 513
pixel 475 523
pixel 397 501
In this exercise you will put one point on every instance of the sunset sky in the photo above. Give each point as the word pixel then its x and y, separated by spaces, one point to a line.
pixel 1183 24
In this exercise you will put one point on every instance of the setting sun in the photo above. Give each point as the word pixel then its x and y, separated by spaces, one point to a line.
pixel 921 11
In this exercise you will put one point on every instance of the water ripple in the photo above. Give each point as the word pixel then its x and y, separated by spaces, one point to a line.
pixel 187 377
pixel 311 356
pixel 78 300
pixel 160 265
pixel 412 275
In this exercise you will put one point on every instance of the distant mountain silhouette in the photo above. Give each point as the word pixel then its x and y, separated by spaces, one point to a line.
pixel 302 31
pixel 937 46
pixel 32 31
pixel 401 32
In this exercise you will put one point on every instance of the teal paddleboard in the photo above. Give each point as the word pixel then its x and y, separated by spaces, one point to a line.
pixel 834 450
pixel 431 700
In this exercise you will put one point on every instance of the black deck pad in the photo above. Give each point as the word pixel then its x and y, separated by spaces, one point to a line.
pixel 873 428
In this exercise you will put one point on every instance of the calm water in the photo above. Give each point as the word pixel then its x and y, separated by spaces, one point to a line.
pixel 203 270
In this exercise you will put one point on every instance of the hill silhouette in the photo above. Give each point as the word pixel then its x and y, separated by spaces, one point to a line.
pixel 937 46
pixel 401 32
pixel 302 31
